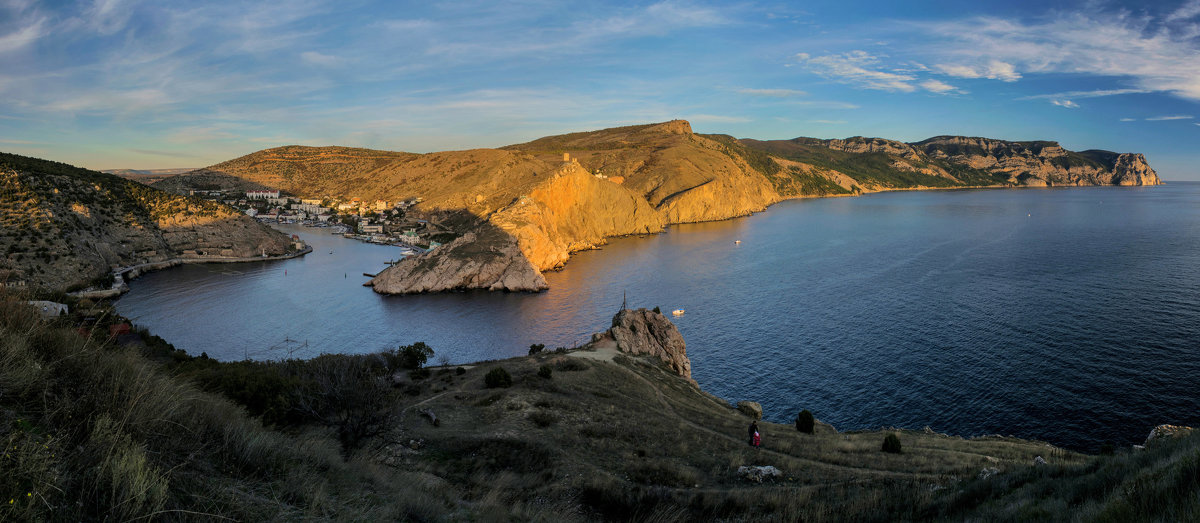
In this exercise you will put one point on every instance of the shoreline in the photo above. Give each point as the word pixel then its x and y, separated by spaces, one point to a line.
pixel 122 276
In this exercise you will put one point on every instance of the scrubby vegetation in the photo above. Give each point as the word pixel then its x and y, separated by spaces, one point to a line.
pixel 62 226
pixel 891 444
pixel 805 422
pixel 129 428
pixel 498 377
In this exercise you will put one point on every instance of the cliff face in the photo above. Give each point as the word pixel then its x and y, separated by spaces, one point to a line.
pixel 486 258
pixel 645 332
pixel 529 208
pixel 632 180
pixel 1040 163
pixel 64 226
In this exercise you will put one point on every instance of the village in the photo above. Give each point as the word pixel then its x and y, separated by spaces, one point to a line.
pixel 379 221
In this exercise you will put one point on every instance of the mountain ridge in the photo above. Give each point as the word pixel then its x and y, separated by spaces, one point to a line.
pixel 682 176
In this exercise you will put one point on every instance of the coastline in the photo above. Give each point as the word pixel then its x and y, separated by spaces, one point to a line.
pixel 122 276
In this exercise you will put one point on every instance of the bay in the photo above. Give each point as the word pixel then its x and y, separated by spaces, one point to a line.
pixel 1070 315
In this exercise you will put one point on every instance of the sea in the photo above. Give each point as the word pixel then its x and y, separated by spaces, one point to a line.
pixel 1066 315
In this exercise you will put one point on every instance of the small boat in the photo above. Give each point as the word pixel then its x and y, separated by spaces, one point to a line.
pixel 677 312
pixel 737 242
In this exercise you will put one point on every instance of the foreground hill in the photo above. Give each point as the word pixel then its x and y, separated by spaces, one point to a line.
pixel 64 227
pixel 93 431
pixel 523 209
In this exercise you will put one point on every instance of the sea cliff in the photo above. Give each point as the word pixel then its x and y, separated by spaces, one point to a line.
pixel 530 205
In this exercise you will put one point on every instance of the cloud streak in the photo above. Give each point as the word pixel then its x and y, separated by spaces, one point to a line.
pixel 1152 56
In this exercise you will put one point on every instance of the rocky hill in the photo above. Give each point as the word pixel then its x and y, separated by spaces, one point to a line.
pixel 64 227
pixel 204 180
pixel 543 200
pixel 956 161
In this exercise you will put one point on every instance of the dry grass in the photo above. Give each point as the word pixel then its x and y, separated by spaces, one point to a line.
pixel 93 432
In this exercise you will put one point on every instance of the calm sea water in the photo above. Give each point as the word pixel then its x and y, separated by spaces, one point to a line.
pixel 1069 315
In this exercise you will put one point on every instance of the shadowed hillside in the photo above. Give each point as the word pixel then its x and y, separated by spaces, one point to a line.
pixel 93 431
pixel 64 227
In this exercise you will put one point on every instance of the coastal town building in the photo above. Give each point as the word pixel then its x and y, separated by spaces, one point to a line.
pixel 261 195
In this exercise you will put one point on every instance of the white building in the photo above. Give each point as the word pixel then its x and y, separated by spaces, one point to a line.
pixel 261 195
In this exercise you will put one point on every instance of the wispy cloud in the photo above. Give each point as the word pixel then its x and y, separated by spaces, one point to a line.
pixel 1085 94
pixel 1128 119
pixel 23 37
pixel 1065 103
pixel 860 69
pixel 1172 117
pixel 1152 57
pixel 772 93
pixel 939 87
pixel 20 142
pixel 1186 11
pixel 993 70
pixel 818 104
pixel 322 59
pixel 828 122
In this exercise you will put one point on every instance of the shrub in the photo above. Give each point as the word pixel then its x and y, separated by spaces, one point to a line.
pixel 460 371
pixel 413 356
pixel 545 371
pixel 536 348
pixel 891 444
pixel 805 422
pixel 418 374
pixel 497 377
pixel 542 418
pixel 571 365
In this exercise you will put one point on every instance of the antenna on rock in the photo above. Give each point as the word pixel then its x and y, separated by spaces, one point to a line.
pixel 622 300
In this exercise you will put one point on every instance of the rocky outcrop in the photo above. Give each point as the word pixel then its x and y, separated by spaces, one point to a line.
pixel 570 211
pixel 645 332
pixel 750 408
pixel 1040 163
pixel 484 259
pixel 859 144
pixel 1164 432
pixel 536 203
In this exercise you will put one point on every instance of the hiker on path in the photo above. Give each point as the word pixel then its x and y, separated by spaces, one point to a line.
pixel 755 439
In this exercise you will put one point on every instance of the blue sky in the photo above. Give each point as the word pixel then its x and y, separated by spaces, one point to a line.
pixel 123 83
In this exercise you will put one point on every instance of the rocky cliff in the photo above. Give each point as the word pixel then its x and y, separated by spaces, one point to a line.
pixel 544 199
pixel 646 332
pixel 568 211
pixel 64 226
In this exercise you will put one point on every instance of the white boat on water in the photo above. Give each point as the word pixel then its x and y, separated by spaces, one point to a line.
pixel 677 312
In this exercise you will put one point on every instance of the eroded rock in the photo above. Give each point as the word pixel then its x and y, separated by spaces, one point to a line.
pixel 645 332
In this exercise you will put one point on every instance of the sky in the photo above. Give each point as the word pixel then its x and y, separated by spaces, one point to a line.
pixel 159 84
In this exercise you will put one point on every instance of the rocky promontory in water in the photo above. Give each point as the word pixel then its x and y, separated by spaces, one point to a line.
pixel 523 209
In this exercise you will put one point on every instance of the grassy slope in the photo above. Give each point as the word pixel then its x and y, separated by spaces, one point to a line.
pixel 96 432
pixel 871 168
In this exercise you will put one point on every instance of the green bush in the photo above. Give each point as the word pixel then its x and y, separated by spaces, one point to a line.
pixel 891 444
pixel 497 377
pixel 536 348
pixel 413 356
pixel 545 371
pixel 805 422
